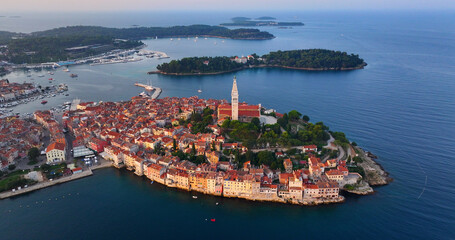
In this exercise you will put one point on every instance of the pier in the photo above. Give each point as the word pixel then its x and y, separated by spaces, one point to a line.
pixel 150 88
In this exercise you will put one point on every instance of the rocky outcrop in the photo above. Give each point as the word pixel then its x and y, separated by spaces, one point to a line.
pixel 375 175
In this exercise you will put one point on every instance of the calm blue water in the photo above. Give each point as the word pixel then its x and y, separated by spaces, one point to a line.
pixel 401 107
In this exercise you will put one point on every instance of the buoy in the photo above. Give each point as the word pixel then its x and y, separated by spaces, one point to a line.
pixel 212 220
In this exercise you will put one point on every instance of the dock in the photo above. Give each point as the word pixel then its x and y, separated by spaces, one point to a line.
pixel 150 88
pixel 74 104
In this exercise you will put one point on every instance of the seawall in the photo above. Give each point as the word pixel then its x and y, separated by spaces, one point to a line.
pixel 46 184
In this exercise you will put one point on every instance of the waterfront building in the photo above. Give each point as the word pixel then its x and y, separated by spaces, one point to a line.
pixel 310 191
pixel 328 189
pixel 334 175
pixel 55 153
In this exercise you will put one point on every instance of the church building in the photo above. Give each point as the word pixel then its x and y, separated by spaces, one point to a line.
pixel 238 111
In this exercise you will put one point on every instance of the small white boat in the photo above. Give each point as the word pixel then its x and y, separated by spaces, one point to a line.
pixel 195 197
pixel 199 91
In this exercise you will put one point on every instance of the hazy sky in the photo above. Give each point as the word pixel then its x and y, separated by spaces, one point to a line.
pixel 119 5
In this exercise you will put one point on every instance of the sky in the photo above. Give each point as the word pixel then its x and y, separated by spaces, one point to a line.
pixel 220 5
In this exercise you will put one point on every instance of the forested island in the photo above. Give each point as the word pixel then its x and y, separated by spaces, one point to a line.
pixel 81 41
pixel 309 59
pixel 261 21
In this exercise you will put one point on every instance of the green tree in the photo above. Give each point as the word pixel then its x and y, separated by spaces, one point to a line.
pixel 306 118
pixel 294 115
pixel 33 153
pixel 255 121
pixel 174 144
pixel 265 157
pixel 193 149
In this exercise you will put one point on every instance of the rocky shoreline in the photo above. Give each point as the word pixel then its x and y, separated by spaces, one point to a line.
pixel 375 175
pixel 374 172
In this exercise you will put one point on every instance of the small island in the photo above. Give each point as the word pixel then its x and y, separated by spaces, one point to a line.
pixel 75 42
pixel 310 59
pixel 261 21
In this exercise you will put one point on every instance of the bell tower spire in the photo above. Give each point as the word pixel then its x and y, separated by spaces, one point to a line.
pixel 235 100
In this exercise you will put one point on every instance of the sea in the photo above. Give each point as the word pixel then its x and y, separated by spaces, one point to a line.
pixel 401 107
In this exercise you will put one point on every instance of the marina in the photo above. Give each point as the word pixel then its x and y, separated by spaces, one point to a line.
pixel 112 57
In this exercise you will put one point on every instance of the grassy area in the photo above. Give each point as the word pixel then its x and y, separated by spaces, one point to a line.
pixel 357 169
pixel 14 181
pixel 18 173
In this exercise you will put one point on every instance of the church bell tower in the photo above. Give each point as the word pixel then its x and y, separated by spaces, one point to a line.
pixel 235 100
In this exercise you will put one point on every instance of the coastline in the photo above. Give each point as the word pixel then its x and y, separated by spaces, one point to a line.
pixel 45 184
pixel 215 36
pixel 268 198
pixel 258 66
pixel 86 173
pixel 40 65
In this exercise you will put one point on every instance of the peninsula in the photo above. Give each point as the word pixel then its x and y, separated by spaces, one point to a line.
pixel 73 42
pixel 205 146
pixel 310 59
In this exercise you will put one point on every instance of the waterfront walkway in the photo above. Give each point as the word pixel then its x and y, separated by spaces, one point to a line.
pixel 46 184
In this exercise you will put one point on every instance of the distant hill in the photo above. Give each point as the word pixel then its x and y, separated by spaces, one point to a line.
pixel 240 19
pixel 261 21
pixel 52 45
pixel 266 18
pixel 138 33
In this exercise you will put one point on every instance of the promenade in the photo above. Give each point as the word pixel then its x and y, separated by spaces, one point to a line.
pixel 46 184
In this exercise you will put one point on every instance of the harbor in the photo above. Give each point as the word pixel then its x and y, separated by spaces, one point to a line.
pixel 111 57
